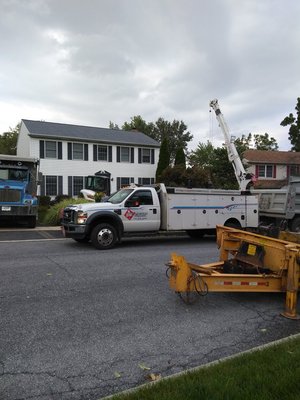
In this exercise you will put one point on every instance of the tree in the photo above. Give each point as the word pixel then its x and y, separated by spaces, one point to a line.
pixel 203 155
pixel 190 177
pixel 113 126
pixel 164 159
pixel 180 157
pixel 8 140
pixel 264 142
pixel 138 123
pixel 242 144
pixel 175 132
pixel 294 131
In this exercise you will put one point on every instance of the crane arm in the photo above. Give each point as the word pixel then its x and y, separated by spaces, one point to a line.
pixel 242 177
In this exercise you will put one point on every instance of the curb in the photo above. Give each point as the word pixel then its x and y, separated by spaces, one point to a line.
pixel 204 366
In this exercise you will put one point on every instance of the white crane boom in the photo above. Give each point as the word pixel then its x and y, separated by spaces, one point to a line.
pixel 242 177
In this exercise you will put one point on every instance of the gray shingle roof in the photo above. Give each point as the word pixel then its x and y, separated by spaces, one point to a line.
pixel 53 130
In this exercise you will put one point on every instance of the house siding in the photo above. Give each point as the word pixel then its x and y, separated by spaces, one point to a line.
pixel 67 168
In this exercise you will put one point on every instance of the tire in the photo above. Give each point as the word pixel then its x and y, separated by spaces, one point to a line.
pixel 104 236
pixel 31 222
pixel 295 226
pixel 233 224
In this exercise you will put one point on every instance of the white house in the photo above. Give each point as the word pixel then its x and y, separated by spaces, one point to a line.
pixel 69 153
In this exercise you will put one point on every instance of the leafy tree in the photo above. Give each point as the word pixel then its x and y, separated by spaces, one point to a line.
pixel 242 144
pixel 203 155
pixel 264 142
pixel 8 140
pixel 223 175
pixel 164 159
pixel 175 132
pixel 190 177
pixel 138 123
pixel 294 131
pixel 180 157
pixel 113 126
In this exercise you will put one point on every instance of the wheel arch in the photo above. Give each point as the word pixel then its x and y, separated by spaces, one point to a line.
pixel 106 217
pixel 233 223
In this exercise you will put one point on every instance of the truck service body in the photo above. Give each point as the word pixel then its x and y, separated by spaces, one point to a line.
pixel 18 189
pixel 150 209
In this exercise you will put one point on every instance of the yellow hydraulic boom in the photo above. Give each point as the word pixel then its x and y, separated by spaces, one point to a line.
pixel 248 263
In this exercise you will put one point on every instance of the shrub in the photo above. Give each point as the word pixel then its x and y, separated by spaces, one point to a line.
pixel 53 214
pixel 44 200
pixel 98 196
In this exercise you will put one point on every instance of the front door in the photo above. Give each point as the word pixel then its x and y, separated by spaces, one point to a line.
pixel 140 214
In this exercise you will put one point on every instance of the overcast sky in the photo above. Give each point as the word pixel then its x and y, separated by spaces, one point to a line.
pixel 94 61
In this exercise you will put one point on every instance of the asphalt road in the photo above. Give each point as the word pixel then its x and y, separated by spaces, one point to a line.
pixel 78 323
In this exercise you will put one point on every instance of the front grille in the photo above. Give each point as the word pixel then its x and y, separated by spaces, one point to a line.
pixel 68 215
pixel 10 196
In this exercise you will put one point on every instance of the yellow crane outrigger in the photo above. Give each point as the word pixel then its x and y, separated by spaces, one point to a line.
pixel 248 263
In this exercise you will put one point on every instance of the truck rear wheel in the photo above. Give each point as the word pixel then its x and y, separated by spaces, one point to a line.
pixel 104 236
pixel 295 226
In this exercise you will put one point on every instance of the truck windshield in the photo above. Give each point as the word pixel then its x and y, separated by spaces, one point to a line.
pixel 13 174
pixel 120 196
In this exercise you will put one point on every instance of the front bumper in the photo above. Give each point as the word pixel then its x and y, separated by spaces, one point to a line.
pixel 74 231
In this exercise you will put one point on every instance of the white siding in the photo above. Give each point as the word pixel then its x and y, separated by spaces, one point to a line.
pixel 68 168
pixel 23 144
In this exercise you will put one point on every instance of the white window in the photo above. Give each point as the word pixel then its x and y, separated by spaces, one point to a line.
pixel 146 156
pixel 266 171
pixel 102 153
pixel 51 185
pixel 78 182
pixel 50 149
pixel 125 154
pixel 78 151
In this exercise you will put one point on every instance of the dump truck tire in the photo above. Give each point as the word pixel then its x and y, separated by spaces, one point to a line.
pixel 296 225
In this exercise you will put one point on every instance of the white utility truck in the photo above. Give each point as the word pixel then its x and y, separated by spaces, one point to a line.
pixel 138 209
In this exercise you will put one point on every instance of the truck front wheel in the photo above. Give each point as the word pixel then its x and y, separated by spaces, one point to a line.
pixel 104 236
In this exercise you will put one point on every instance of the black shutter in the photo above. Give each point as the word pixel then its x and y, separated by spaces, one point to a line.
pixel 152 181
pixel 118 183
pixel 152 156
pixel 60 185
pixel 140 155
pixel 70 186
pixel 43 186
pixel 118 153
pixel 131 180
pixel 95 152
pixel 59 148
pixel 139 181
pixel 70 151
pixel 132 155
pixel 86 152
pixel 42 149
pixel 110 153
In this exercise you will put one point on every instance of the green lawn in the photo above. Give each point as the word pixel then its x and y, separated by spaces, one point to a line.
pixel 272 373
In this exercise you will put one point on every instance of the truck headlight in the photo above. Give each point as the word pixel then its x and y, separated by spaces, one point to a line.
pixel 81 217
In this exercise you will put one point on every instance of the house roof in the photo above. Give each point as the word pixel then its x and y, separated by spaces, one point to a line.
pixel 272 157
pixel 53 130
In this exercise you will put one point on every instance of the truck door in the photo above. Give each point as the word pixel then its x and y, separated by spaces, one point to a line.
pixel 141 212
